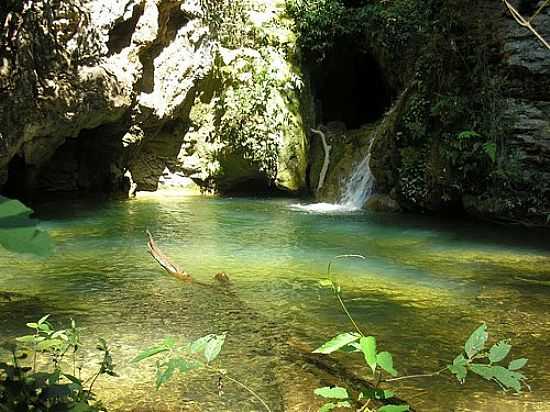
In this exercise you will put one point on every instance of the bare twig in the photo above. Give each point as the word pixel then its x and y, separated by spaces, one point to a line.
pixel 527 23
pixel 326 161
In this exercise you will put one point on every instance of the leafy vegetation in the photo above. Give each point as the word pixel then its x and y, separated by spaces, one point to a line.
pixel 197 355
pixel 474 358
pixel 50 387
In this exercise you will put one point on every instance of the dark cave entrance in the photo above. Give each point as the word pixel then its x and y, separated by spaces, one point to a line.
pixel 90 163
pixel 350 87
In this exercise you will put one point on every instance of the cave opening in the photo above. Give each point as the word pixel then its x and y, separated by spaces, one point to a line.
pixel 89 163
pixel 349 87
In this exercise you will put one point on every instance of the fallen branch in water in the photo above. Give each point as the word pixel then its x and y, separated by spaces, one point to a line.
pixel 165 262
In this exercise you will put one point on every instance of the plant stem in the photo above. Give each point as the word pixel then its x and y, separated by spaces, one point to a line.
pixel 250 390
pixel 420 375
pixel 337 292
pixel 92 384
pixel 348 314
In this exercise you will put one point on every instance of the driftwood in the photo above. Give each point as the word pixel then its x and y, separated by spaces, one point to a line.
pixel 169 266
pixel 326 161
pixel 165 262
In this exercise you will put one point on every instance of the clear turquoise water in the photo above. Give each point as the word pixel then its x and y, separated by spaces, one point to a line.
pixel 425 285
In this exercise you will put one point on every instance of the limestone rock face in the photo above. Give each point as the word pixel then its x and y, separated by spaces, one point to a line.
pixel 89 122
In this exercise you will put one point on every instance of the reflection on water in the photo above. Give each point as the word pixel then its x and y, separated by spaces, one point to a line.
pixel 424 286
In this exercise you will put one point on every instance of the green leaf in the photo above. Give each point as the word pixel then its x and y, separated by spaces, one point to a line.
pixel 499 351
pixel 43 319
pixel 385 361
pixel 213 347
pixel 485 371
pixel 200 344
pixel 476 341
pixel 467 134
pixel 18 232
pixel 459 371
pixel 337 342
pixel 332 392
pixel 460 360
pixel 368 346
pixel 49 343
pixel 164 376
pixel 26 339
pixel 184 365
pixel 517 364
pixel 147 353
pixel 508 378
pixel 490 150
pixel 394 408
pixel 327 407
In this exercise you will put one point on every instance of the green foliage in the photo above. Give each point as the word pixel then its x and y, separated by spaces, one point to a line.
pixel 18 232
pixel 183 358
pixel 338 342
pixel 322 25
pixel 474 349
pixel 382 362
pixel 24 388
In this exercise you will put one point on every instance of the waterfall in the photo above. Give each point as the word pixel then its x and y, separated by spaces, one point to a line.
pixel 357 189
pixel 358 186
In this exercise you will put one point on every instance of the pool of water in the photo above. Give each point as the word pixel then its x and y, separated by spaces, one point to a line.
pixel 424 286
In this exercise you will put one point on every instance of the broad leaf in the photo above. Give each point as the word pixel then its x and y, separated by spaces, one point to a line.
pixel 332 392
pixel 508 378
pixel 147 353
pixel 499 351
pixel 459 371
pixel 200 344
pixel 385 361
pixel 18 232
pixel 213 347
pixel 485 371
pixel 394 408
pixel 476 341
pixel 337 342
pixel 517 364
pixel 327 407
pixel 460 360
pixel 368 346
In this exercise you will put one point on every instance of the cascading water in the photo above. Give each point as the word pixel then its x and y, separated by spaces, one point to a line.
pixel 359 186
pixel 357 189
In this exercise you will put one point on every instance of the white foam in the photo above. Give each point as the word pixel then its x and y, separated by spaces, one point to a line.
pixel 328 208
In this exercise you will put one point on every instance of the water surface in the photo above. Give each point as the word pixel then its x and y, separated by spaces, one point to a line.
pixel 425 285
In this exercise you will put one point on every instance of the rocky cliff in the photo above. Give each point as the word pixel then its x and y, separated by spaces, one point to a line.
pixel 107 95
pixel 468 90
